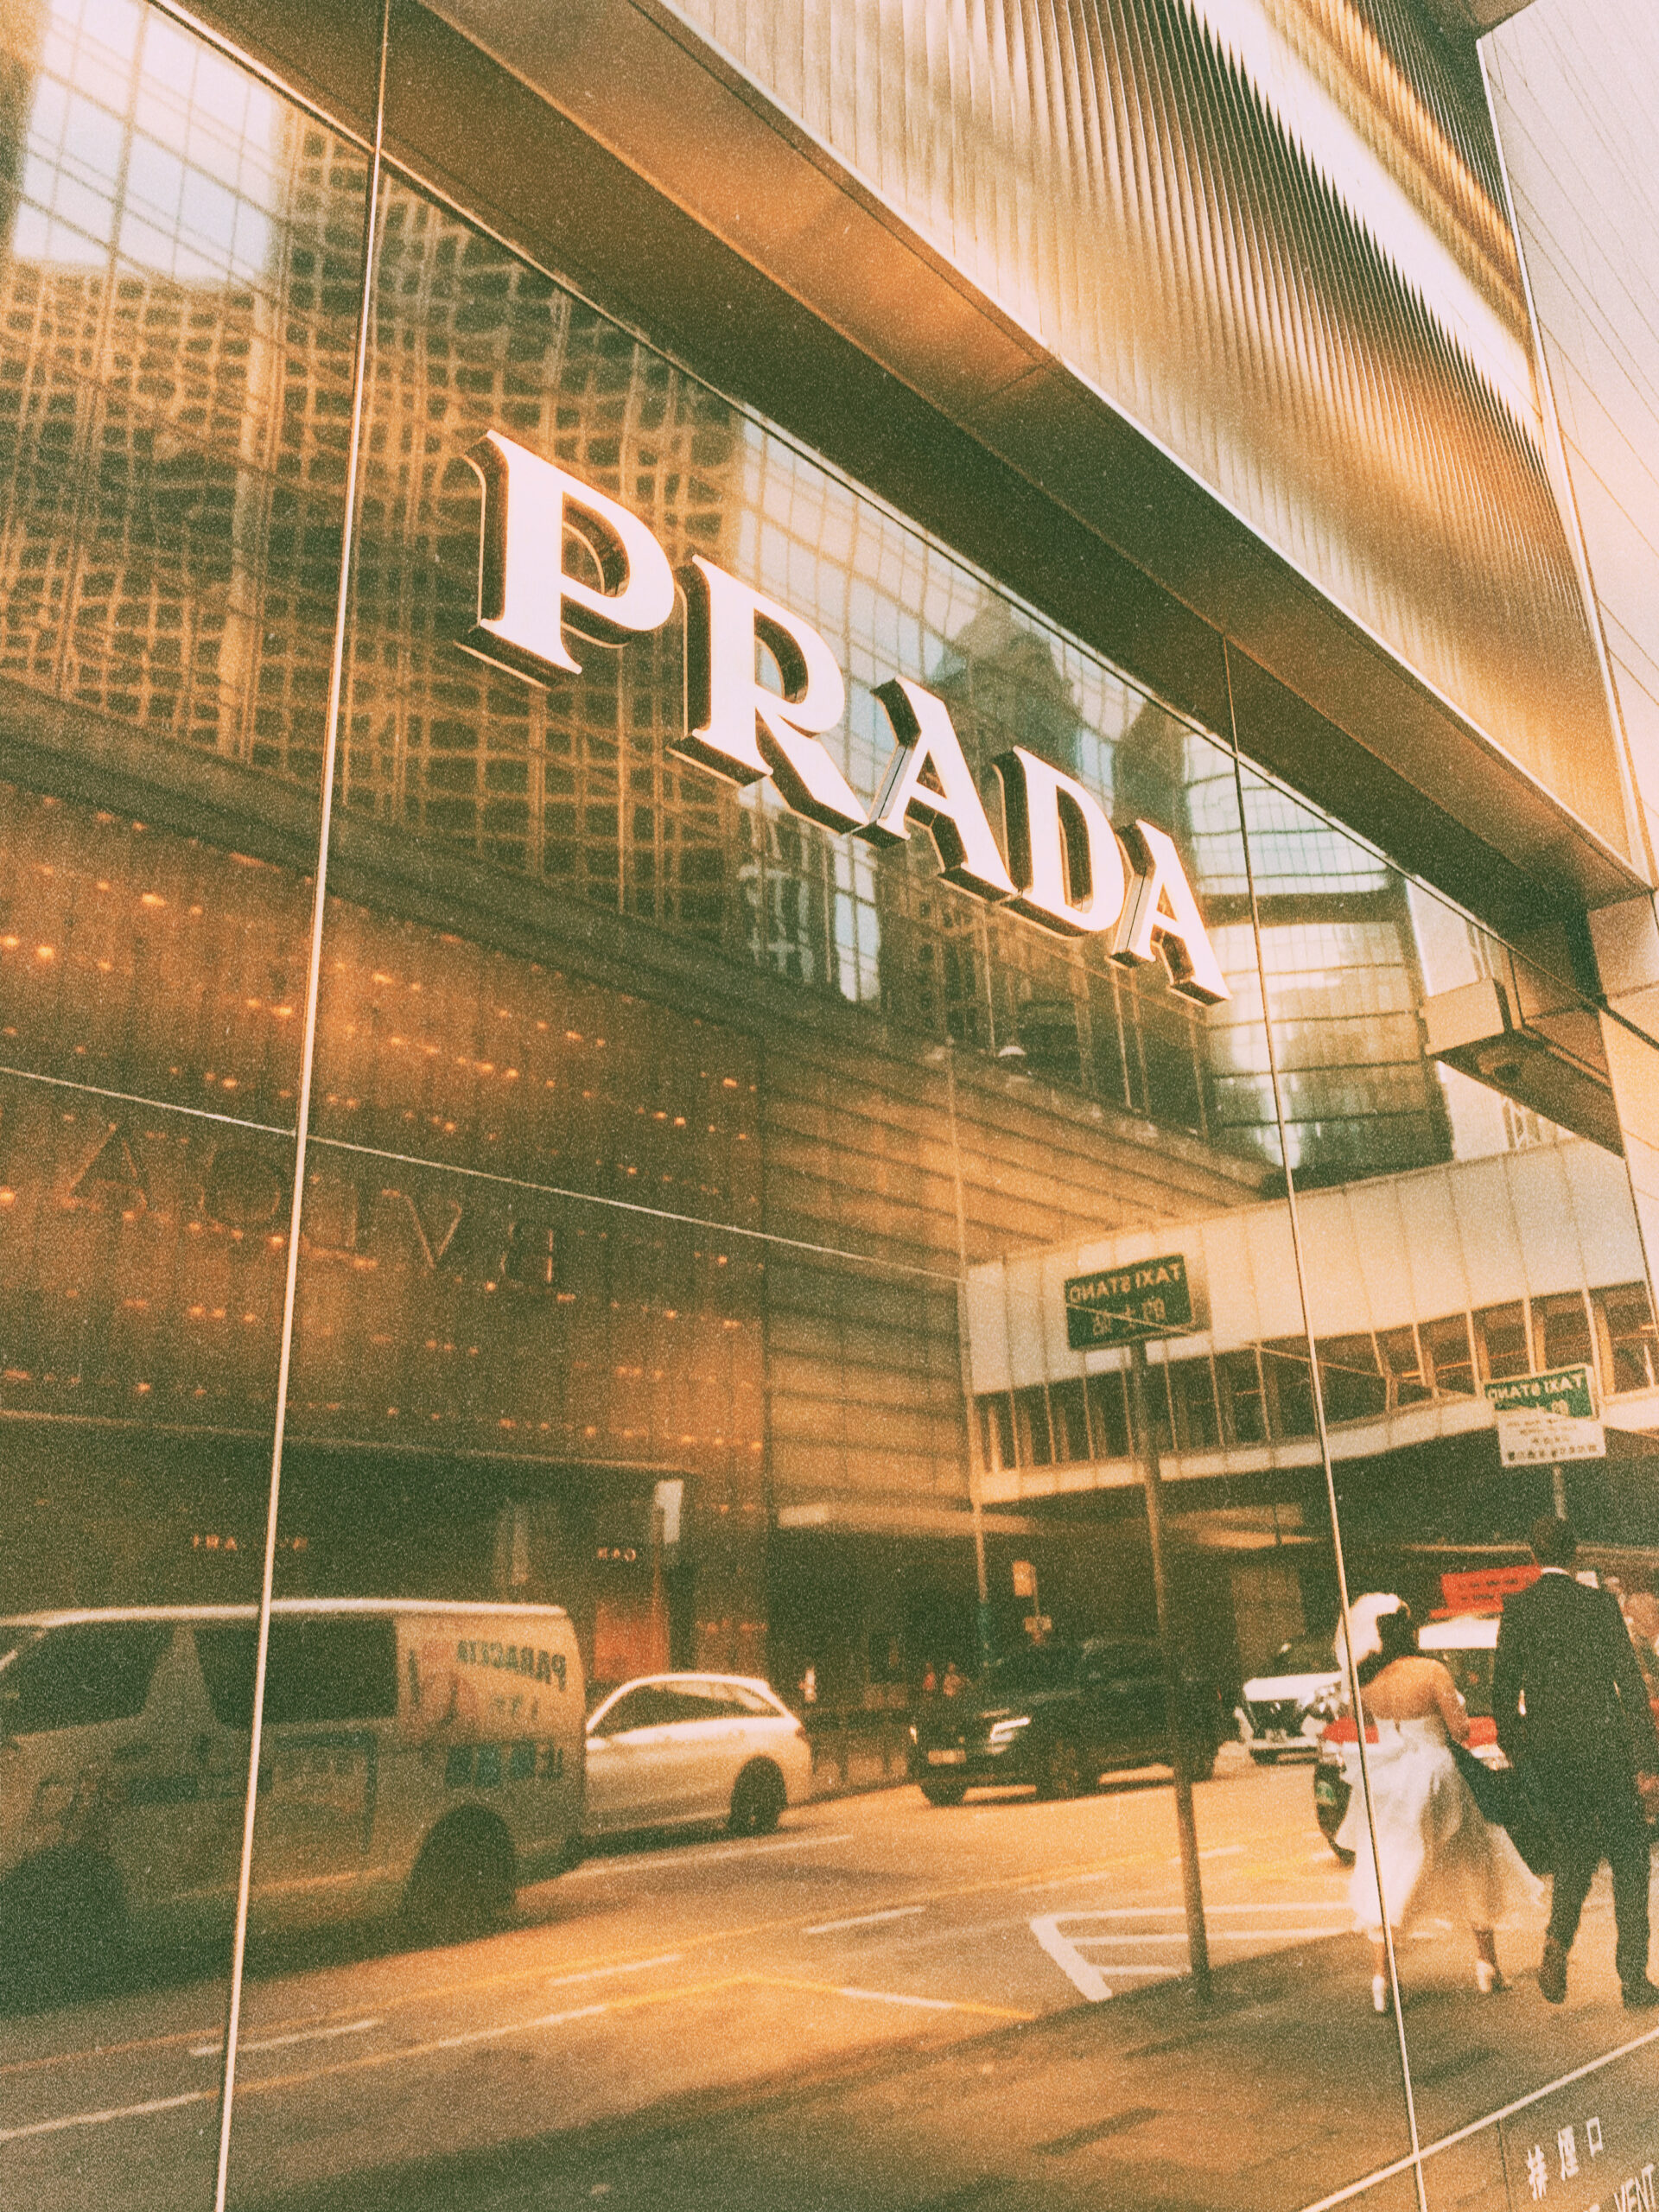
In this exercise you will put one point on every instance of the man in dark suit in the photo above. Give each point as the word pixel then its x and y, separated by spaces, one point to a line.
pixel 1586 1734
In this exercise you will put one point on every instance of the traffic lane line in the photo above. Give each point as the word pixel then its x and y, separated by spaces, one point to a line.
pixel 864 1920
pixel 889 1997
pixel 256 2085
pixel 280 2043
pixel 298 2028
pixel 693 1856
pixel 105 2119
pixel 398 1999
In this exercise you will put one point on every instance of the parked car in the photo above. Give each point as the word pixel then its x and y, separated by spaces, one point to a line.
pixel 1287 1706
pixel 1464 1645
pixel 413 1753
pixel 668 1750
pixel 1056 1717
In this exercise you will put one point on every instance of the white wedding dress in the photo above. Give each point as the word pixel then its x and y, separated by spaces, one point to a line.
pixel 1440 1858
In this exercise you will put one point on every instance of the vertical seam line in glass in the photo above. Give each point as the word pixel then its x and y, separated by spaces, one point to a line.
pixel 1318 1394
pixel 307 1055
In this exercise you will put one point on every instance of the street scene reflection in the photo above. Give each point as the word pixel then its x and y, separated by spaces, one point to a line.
pixel 908 1544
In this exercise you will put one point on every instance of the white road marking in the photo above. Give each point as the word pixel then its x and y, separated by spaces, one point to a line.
pixel 515 2028
pixel 1178 1935
pixel 101 2118
pixel 1085 1976
pixel 694 1858
pixel 888 1997
pixel 216 2048
pixel 1081 1972
pixel 1261 1904
pixel 628 1966
pixel 865 1919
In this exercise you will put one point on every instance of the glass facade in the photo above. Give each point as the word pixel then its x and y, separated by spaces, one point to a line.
pixel 690 1200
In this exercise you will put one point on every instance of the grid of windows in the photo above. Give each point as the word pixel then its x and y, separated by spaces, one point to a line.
pixel 1260 1393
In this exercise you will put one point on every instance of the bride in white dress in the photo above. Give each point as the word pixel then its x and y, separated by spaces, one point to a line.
pixel 1440 1858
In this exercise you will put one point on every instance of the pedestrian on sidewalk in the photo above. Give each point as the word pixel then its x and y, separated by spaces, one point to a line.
pixel 1587 1740
pixel 1435 1855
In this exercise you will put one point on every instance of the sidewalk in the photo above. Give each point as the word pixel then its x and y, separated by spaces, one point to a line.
pixel 1284 2091
pixel 853 1753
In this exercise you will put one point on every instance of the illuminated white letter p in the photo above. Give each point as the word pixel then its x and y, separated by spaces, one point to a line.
pixel 527 599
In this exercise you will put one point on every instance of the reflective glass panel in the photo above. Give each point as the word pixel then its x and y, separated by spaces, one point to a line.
pixel 692 1197
pixel 175 366
pixel 1466 1221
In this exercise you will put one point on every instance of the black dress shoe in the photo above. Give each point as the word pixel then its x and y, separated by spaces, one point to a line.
pixel 1551 1973
pixel 1641 1996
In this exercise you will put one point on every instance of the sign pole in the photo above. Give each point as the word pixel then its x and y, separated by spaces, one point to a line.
pixel 1198 1939
pixel 1558 1484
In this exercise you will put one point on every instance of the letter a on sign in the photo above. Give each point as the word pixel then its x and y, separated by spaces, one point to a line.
pixel 1062 852
pixel 928 777
pixel 527 599
pixel 740 728
pixel 1161 905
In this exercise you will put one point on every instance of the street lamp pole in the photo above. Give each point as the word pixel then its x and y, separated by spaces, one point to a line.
pixel 1198 1941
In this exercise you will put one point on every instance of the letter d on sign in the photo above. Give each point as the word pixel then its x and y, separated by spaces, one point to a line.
pixel 1062 852
pixel 527 599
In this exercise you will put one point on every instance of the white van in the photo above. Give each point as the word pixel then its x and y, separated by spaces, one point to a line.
pixel 414 1754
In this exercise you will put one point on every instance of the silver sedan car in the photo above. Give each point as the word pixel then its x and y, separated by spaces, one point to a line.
pixel 670 1750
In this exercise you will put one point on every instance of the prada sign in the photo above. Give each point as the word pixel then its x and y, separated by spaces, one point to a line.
pixel 1066 867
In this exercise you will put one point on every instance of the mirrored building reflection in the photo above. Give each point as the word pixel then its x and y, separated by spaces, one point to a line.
pixel 830 1388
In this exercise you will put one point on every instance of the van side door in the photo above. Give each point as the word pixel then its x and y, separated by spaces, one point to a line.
pixel 331 1691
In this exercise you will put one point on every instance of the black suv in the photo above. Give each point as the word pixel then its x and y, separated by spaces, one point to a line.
pixel 1055 1716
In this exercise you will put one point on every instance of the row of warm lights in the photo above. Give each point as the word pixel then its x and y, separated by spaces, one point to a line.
pixel 285 1012
pixel 687 1439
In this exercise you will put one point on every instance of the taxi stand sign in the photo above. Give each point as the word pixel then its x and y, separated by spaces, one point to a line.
pixel 1544 1419
pixel 1126 1305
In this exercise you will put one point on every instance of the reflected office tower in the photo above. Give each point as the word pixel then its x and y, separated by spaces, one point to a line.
pixel 177 417
pixel 572 784
pixel 1348 979
pixel 1062 1010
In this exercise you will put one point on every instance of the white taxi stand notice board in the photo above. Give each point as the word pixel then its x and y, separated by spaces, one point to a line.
pixel 1545 1418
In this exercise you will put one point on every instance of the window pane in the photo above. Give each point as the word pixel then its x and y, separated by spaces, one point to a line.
pixel 1446 1345
pixel 1501 1341
pixel 1402 1362
pixel 82 1677
pixel 1628 1338
pixel 1192 1394
pixel 1244 1412
pixel 1108 1417
pixel 996 1430
pixel 1290 1390
pixel 1070 1420
pixel 331 1670
pixel 1561 1326
pixel 1031 1414
pixel 1349 1374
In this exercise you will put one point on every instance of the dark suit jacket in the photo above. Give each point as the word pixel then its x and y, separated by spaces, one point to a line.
pixel 1588 1727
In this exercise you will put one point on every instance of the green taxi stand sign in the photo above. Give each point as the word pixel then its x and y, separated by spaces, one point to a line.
pixel 1128 1304
pixel 1566 1392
